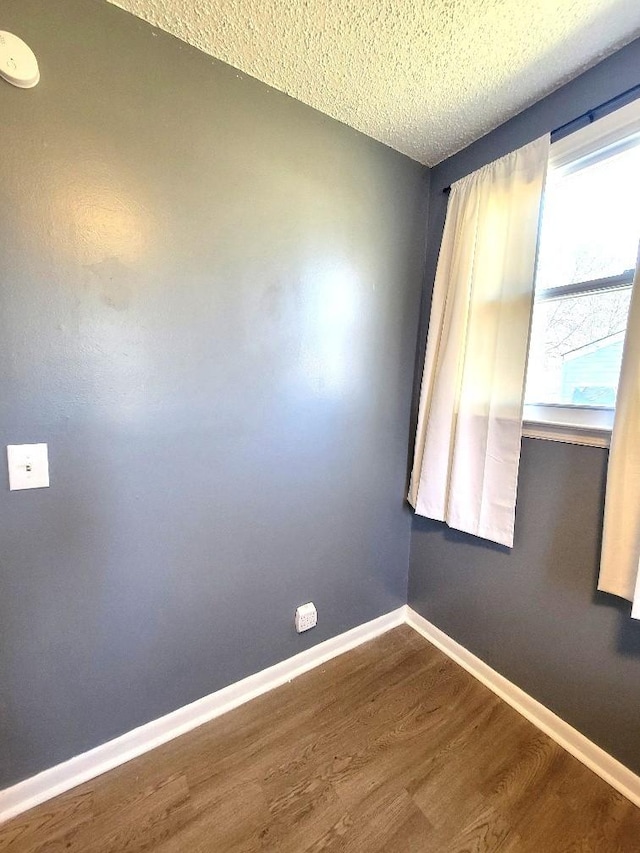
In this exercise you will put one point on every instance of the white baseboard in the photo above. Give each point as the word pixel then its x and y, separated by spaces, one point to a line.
pixel 50 783
pixel 592 756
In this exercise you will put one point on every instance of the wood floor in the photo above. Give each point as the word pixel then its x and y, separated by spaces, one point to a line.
pixel 391 747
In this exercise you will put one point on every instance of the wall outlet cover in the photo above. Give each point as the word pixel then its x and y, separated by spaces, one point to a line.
pixel 306 617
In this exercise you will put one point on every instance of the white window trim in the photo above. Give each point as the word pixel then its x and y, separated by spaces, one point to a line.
pixel 572 424
pixel 583 424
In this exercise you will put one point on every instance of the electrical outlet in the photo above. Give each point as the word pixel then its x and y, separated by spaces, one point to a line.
pixel 306 617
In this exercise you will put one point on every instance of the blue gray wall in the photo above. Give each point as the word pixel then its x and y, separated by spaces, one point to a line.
pixel 533 613
pixel 209 299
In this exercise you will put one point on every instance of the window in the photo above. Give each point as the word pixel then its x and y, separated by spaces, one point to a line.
pixel 586 261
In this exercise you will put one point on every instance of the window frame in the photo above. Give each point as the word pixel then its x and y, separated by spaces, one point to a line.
pixel 613 134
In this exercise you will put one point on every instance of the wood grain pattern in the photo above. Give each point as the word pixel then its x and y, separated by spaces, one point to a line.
pixel 391 747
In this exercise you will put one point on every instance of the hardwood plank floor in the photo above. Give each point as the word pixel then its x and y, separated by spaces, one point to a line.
pixel 391 747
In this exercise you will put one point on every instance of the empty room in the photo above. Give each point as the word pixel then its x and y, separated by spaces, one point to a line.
pixel 320 426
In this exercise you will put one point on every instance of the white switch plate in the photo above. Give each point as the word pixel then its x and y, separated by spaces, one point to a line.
pixel 28 466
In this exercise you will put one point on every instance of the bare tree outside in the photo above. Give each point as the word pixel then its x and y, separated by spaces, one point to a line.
pixel 579 320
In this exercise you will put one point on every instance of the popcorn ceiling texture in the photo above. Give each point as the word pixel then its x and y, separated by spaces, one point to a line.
pixel 426 78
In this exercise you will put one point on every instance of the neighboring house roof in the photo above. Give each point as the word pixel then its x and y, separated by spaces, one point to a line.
pixel 594 346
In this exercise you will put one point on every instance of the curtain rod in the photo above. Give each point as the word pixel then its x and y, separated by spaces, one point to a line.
pixel 591 115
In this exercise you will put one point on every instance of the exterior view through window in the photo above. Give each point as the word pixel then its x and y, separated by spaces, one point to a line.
pixel 586 261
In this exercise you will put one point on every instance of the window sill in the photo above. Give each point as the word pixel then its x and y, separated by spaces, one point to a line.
pixel 572 424
pixel 569 433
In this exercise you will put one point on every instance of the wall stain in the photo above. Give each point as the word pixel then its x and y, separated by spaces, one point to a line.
pixel 113 282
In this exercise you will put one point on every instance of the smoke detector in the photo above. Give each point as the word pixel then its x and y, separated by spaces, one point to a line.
pixel 18 63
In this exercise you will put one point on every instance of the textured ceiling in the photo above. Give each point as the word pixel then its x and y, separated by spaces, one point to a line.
pixel 426 77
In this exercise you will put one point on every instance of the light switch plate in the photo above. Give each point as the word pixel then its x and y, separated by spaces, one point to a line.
pixel 28 466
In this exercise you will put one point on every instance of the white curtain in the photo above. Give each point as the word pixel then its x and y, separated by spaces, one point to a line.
pixel 621 534
pixel 467 450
